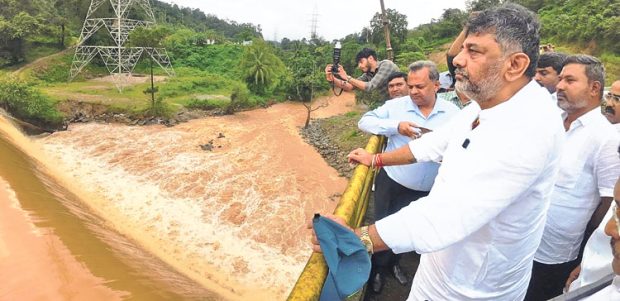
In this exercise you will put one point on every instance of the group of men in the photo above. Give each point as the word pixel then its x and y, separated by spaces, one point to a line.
pixel 499 195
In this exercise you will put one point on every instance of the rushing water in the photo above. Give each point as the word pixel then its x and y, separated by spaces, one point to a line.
pixel 76 245
pixel 232 218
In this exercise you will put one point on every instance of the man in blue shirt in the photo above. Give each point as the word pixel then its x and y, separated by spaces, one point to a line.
pixel 397 186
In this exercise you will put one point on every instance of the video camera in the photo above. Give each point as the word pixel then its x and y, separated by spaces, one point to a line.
pixel 336 60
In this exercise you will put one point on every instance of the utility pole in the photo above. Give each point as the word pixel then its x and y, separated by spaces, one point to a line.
pixel 386 28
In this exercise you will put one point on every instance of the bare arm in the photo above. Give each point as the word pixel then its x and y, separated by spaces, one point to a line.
pixel 455 48
pixel 398 156
pixel 339 83
pixel 597 216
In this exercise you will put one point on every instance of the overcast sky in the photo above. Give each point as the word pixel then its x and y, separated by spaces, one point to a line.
pixel 335 18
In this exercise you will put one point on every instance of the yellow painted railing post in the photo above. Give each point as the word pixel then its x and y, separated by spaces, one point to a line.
pixel 352 207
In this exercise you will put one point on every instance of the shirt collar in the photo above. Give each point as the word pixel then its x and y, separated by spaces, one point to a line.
pixel 506 107
pixel 373 72
pixel 583 120
pixel 413 107
pixel 590 117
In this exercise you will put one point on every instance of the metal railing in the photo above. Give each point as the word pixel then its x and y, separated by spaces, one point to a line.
pixel 352 207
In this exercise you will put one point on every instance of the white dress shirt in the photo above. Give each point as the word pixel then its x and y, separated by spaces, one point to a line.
pixel 482 221
pixel 597 257
pixel 384 121
pixel 589 169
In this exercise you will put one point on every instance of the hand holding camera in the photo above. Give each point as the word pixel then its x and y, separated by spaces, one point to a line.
pixel 336 61
pixel 335 70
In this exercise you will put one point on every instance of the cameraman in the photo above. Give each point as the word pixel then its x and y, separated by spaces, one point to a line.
pixel 374 78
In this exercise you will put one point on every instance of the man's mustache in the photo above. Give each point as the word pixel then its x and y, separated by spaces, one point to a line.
pixel 561 95
pixel 610 110
pixel 462 72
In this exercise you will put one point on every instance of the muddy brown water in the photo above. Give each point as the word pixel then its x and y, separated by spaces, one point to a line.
pixel 53 248
pixel 145 213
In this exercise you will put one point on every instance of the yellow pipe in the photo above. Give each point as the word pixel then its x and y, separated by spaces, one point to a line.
pixel 352 207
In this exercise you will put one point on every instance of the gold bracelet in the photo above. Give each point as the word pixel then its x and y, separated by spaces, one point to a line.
pixel 365 238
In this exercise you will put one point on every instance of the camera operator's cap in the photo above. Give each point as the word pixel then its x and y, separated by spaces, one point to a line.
pixel 445 80
pixel 345 255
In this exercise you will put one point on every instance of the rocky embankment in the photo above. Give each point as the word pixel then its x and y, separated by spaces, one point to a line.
pixel 81 112
pixel 324 142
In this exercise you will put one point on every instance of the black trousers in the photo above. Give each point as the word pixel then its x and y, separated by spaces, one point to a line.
pixel 389 198
pixel 548 280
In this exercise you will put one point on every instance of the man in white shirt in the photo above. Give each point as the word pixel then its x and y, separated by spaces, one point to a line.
pixel 612 292
pixel 588 171
pixel 482 221
pixel 601 261
pixel 397 186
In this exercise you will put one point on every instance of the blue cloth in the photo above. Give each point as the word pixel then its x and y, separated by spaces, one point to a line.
pixel 384 121
pixel 346 257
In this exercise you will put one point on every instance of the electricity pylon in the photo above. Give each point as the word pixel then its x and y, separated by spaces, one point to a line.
pixel 118 59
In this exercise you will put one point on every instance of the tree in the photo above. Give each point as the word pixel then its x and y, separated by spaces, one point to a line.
pixel 150 38
pixel 261 67
pixel 398 26
pixel 479 5
pixel 307 76
pixel 13 34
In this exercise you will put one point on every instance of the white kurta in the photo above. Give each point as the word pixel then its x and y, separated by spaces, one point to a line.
pixel 483 219
pixel 589 169
pixel 597 257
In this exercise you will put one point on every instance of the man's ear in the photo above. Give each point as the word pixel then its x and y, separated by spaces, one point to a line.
pixel 517 63
pixel 595 88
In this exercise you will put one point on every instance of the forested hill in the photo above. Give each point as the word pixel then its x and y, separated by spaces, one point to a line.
pixel 228 74
pixel 27 24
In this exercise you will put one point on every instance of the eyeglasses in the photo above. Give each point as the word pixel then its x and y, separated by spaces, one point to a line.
pixel 611 96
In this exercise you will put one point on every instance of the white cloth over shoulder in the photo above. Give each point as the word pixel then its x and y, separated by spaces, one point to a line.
pixel 483 219
pixel 597 257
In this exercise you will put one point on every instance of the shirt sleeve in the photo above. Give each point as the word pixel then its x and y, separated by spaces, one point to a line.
pixel 378 121
pixel 431 146
pixel 607 166
pixel 479 188
pixel 385 69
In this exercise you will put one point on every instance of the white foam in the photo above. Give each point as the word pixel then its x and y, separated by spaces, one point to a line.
pixel 220 207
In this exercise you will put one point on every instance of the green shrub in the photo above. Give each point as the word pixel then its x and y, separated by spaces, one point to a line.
pixel 208 104
pixel 612 67
pixel 26 102
pixel 159 108
pixel 191 81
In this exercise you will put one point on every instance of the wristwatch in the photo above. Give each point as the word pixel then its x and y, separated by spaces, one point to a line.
pixel 348 78
pixel 365 238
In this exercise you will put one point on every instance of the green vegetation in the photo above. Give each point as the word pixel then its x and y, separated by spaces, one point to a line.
pixel 215 71
pixel 347 135
pixel 26 102
pixel 262 69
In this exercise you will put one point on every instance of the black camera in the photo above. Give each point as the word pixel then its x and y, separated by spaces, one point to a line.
pixel 336 60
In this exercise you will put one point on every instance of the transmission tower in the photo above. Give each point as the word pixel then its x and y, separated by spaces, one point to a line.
pixel 118 59
pixel 313 24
